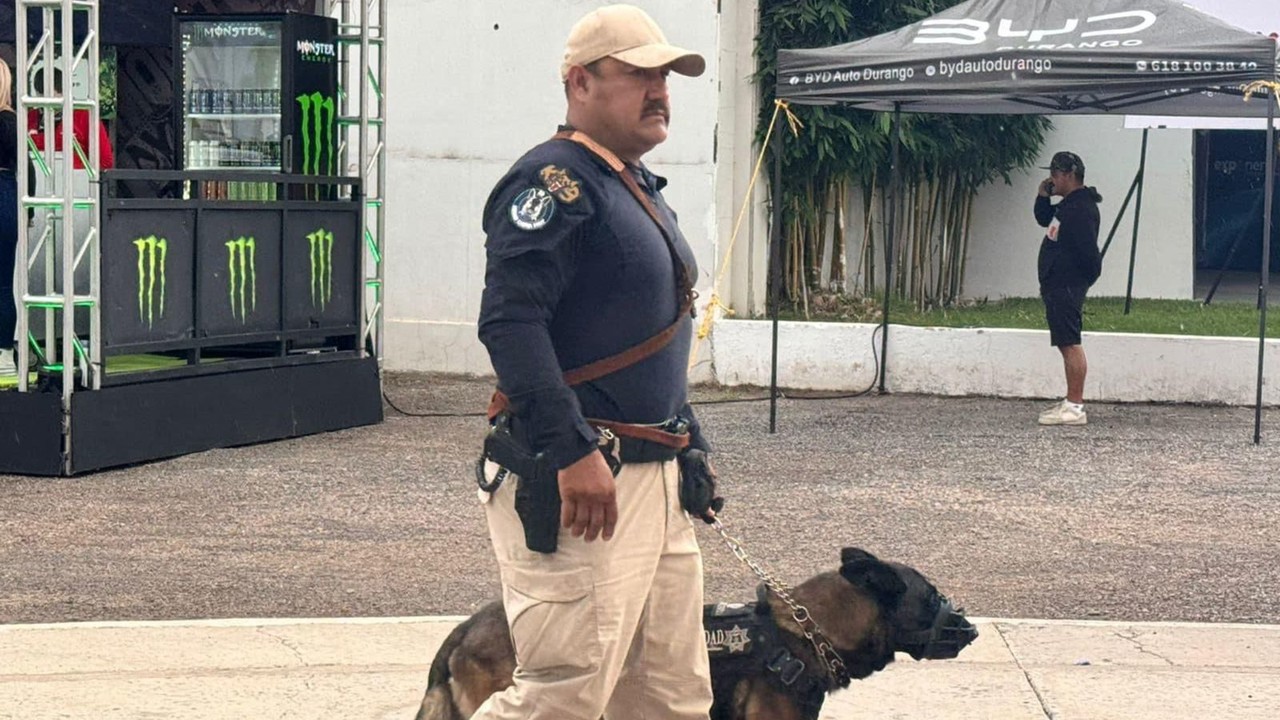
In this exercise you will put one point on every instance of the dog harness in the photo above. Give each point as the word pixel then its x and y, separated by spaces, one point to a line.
pixel 742 638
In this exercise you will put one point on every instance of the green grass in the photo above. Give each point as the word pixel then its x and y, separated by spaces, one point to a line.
pixel 1103 314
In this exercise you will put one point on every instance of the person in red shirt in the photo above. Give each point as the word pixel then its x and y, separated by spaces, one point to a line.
pixel 79 127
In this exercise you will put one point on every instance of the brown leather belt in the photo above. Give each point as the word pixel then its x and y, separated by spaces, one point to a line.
pixel 499 404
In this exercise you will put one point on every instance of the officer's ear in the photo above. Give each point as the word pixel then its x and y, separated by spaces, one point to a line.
pixel 577 82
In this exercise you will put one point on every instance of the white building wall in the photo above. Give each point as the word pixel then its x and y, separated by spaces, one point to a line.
pixel 1006 238
pixel 998 362
pixel 472 86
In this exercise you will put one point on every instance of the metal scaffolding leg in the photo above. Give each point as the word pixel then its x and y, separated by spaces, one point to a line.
pixel 361 28
pixel 43 71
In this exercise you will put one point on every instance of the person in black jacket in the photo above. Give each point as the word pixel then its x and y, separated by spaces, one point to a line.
pixel 8 221
pixel 1069 264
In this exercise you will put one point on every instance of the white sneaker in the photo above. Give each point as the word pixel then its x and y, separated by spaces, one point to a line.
pixel 7 368
pixel 1064 413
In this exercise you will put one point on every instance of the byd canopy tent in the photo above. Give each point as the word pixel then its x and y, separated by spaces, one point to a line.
pixel 1004 57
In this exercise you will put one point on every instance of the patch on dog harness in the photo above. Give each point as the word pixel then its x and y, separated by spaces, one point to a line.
pixel 742 638
pixel 727 629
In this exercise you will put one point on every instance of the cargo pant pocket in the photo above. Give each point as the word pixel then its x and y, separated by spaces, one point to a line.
pixel 552 616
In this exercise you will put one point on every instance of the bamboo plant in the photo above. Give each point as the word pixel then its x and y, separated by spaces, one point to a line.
pixel 842 158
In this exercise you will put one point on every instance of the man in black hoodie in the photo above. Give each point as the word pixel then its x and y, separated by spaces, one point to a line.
pixel 1069 263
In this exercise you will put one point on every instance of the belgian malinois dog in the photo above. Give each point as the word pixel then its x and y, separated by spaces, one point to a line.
pixel 762 666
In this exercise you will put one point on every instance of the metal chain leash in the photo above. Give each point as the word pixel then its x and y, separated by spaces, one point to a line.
pixel 812 631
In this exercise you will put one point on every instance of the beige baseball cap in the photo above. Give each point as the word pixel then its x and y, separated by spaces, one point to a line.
pixel 626 33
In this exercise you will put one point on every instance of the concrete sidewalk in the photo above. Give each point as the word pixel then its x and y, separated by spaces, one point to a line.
pixel 376 669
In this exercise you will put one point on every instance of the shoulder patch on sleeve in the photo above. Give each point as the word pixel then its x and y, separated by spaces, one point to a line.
pixel 532 209
pixel 561 184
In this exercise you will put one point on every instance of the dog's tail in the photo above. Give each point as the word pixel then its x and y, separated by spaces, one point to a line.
pixel 438 703
pixel 439 674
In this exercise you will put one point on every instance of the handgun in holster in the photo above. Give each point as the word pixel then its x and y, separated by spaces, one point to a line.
pixel 537 489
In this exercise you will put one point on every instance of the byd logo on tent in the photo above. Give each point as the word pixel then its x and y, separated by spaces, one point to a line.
pixel 977 32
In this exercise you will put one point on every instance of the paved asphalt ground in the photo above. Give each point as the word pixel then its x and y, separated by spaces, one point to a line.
pixel 1148 513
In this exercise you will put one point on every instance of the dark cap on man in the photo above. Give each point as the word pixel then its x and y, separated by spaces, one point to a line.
pixel 628 34
pixel 1067 162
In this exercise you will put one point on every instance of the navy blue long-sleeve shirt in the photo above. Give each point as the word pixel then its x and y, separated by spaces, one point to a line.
pixel 578 271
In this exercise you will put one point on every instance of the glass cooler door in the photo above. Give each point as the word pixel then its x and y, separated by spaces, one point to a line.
pixel 230 88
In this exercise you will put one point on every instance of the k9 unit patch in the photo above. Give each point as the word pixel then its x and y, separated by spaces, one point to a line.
pixel 561 184
pixel 532 209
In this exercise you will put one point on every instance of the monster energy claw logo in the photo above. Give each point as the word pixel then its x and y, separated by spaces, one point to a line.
pixel 317 133
pixel 242 276
pixel 152 252
pixel 321 267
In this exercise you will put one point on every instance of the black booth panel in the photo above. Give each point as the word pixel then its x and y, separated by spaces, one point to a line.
pixel 30 433
pixel 148 263
pixel 321 264
pixel 239 272
pixel 120 22
pixel 152 420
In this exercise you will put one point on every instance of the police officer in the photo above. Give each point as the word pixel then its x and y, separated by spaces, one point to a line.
pixel 1068 265
pixel 585 262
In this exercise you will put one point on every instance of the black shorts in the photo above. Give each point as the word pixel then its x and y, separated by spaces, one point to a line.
pixel 1064 310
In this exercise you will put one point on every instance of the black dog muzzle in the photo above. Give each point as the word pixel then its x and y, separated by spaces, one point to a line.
pixel 943 640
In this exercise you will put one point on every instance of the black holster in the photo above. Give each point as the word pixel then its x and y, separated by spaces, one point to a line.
pixel 537 489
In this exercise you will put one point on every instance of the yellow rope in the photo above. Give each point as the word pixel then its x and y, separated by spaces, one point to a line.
pixel 709 311
pixel 1257 85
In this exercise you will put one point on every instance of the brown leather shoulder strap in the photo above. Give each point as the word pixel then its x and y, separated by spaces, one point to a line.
pixel 600 151
pixel 620 168
pixel 635 353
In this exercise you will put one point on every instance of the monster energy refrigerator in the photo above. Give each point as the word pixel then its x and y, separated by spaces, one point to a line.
pixel 257 92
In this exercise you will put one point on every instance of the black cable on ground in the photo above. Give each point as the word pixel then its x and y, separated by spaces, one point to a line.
pixel 809 396
pixel 428 415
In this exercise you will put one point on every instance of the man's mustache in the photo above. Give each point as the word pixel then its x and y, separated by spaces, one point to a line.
pixel 657 106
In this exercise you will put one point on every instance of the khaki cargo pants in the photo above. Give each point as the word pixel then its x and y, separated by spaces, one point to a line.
pixel 605 628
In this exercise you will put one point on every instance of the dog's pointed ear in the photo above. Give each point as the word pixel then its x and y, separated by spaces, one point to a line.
pixel 852 554
pixel 863 570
